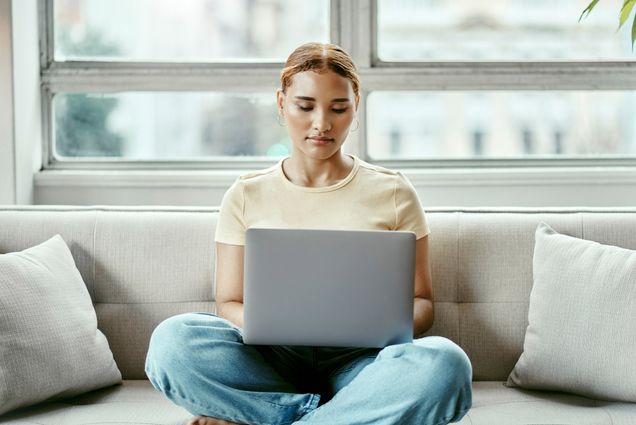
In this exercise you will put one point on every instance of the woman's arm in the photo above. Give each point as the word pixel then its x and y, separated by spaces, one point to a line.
pixel 423 301
pixel 229 282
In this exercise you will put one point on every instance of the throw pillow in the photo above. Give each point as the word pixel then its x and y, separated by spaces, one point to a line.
pixel 581 336
pixel 50 346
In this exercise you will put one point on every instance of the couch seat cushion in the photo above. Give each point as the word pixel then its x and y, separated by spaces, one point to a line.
pixel 496 404
pixel 137 402
pixel 133 402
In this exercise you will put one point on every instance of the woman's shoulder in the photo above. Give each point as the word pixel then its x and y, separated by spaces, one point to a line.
pixel 378 172
pixel 258 175
pixel 249 179
pixel 378 176
pixel 373 168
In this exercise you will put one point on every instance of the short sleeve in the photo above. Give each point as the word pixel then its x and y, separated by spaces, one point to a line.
pixel 230 226
pixel 409 214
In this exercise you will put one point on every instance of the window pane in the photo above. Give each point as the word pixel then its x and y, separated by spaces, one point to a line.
pixel 524 30
pixel 149 126
pixel 192 30
pixel 500 124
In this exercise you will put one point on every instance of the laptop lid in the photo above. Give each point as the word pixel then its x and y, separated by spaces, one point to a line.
pixel 340 288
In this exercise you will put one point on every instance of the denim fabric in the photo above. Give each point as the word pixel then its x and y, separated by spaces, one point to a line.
pixel 199 361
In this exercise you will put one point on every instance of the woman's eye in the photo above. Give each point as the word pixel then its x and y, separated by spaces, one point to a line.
pixel 309 108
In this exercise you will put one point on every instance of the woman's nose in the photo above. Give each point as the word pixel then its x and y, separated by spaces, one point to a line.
pixel 321 122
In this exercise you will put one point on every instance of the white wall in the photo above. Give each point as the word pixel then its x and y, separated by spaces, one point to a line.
pixel 26 99
pixel 7 154
pixel 20 115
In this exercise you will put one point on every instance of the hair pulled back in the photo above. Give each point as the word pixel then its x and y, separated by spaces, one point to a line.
pixel 320 57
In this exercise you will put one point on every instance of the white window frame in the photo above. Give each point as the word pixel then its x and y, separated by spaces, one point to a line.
pixel 353 26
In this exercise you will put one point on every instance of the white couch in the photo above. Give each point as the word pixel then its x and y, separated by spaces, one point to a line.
pixel 142 265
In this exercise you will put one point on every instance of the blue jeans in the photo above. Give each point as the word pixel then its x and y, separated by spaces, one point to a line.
pixel 199 361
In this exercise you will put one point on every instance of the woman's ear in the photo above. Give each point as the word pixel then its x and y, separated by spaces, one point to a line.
pixel 280 97
pixel 357 102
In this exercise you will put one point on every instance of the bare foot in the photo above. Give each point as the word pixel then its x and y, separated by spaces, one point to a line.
pixel 206 420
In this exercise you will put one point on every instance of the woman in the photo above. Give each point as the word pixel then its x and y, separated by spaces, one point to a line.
pixel 199 361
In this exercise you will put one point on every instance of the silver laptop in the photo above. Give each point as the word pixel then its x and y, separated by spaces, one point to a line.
pixel 337 288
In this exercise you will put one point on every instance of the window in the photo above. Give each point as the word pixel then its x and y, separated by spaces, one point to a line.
pixel 166 125
pixel 147 81
pixel 512 30
pixel 501 124
pixel 137 83
pixel 192 31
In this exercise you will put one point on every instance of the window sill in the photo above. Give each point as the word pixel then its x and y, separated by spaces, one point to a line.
pixel 419 177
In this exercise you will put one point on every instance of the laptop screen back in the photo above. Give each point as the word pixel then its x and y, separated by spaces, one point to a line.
pixel 341 288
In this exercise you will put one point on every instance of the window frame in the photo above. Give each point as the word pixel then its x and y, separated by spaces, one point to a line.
pixel 353 25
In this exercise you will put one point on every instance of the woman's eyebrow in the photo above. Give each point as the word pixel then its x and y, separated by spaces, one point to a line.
pixel 311 99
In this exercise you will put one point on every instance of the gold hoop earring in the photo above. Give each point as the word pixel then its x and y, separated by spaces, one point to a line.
pixel 278 118
pixel 357 125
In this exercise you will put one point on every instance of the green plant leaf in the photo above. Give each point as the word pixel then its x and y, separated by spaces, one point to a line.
pixel 633 33
pixel 588 9
pixel 626 10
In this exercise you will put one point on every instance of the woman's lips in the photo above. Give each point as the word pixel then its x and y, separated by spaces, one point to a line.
pixel 320 141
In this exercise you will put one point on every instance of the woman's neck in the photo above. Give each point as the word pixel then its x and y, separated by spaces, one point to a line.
pixel 312 172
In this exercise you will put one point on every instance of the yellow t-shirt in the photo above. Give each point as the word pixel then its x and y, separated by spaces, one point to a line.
pixel 369 198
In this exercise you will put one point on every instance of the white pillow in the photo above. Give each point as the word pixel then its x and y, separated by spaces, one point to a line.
pixel 581 335
pixel 50 346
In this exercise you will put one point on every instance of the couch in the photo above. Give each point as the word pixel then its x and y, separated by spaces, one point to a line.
pixel 144 264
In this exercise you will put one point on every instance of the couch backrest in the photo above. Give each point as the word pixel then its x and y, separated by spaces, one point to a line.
pixel 144 264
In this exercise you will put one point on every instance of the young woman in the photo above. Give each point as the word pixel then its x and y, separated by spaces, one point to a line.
pixel 199 361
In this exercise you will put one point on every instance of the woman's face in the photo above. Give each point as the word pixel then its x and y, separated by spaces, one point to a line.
pixel 318 110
